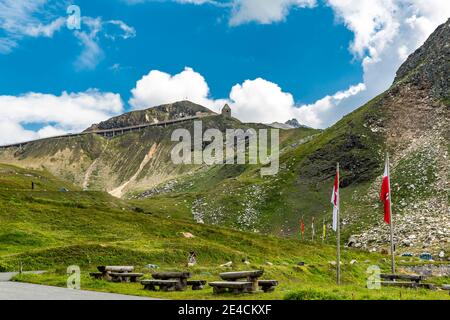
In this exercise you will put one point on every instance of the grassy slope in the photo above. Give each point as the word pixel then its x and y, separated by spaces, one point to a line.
pixel 52 230
pixel 225 194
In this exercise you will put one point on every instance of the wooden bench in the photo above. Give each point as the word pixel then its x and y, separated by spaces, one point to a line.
pixel 231 286
pixel 179 277
pixel 250 276
pixel 408 284
pixel 407 281
pixel 196 284
pixel 267 285
pixel 165 280
pixel 97 275
pixel 124 276
pixel 164 285
pixel 407 277
pixel 243 281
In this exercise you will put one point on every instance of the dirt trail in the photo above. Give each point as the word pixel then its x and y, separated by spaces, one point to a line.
pixel 118 192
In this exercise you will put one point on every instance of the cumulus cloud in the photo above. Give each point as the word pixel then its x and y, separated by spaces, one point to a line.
pixel 386 32
pixel 257 100
pixel 68 112
pixel 158 87
pixel 263 101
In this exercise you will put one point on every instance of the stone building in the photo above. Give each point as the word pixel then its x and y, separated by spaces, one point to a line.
pixel 226 111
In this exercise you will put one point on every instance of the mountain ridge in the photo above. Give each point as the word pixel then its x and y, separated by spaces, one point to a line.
pixel 156 114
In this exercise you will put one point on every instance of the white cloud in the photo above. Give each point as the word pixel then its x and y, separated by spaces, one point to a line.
pixel 323 112
pixel 386 32
pixel 127 31
pixel 244 11
pixel 265 11
pixel 18 20
pixel 92 53
pixel 68 112
pixel 89 38
pixel 45 30
pixel 261 101
pixel 255 100
pixel 158 88
pixel 7 45
pixel 12 132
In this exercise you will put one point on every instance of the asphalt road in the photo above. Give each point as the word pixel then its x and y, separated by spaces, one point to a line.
pixel 25 291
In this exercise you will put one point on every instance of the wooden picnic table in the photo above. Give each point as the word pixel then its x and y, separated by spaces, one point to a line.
pixel 251 277
pixel 180 277
pixel 170 281
pixel 406 280
pixel 116 273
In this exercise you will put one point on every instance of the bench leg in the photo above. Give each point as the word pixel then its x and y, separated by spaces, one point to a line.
pixel 195 287
pixel 181 285
pixel 254 286
pixel 217 290
pixel 167 288
pixel 267 289
pixel 149 287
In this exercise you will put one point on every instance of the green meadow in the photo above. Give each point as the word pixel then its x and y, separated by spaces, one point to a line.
pixel 48 229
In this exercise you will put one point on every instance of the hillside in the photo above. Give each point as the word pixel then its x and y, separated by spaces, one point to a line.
pixel 410 120
pixel 49 229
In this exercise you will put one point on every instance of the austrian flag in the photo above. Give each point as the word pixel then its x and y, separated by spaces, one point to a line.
pixel 385 195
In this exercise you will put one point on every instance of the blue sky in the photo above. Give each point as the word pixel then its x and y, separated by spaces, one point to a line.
pixel 270 60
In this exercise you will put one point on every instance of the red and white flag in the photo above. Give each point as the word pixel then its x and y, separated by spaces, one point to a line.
pixel 385 195
pixel 335 200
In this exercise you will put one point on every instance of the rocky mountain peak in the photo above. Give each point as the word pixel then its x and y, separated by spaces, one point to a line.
pixel 165 112
pixel 429 66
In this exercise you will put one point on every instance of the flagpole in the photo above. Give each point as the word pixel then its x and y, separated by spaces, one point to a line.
pixel 391 220
pixel 338 245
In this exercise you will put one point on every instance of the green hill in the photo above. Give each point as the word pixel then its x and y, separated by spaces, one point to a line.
pixel 50 229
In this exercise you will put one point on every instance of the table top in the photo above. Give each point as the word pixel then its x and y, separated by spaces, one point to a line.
pixel 171 275
pixel 126 274
pixel 402 276
pixel 241 274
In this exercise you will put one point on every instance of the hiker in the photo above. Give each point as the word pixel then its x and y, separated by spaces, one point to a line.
pixel 192 260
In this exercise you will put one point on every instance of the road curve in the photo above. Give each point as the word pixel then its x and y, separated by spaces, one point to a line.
pixel 26 291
